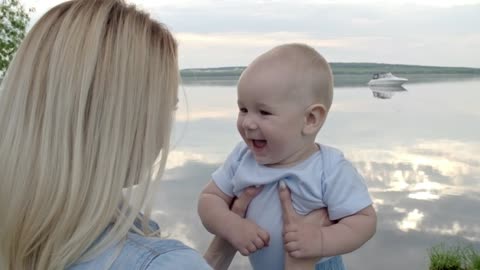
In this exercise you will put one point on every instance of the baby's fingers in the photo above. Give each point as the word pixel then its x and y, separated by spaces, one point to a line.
pixel 290 228
pixel 292 246
pixel 297 254
pixel 244 251
pixel 258 242
pixel 264 236
pixel 251 247
pixel 290 237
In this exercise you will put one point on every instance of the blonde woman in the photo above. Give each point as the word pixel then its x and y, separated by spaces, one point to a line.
pixel 86 110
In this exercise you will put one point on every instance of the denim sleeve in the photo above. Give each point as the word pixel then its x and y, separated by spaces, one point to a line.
pixel 181 259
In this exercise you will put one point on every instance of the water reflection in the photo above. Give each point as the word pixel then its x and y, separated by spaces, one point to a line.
pixel 424 193
pixel 419 154
pixel 411 223
pixel 385 92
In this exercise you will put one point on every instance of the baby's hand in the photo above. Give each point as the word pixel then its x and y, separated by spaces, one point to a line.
pixel 302 235
pixel 247 237
pixel 303 240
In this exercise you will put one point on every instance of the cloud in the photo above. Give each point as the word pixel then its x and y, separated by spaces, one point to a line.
pixel 256 39
pixel 411 221
pixel 229 33
pixel 427 170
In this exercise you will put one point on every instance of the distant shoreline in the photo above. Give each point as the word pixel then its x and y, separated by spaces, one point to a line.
pixel 345 74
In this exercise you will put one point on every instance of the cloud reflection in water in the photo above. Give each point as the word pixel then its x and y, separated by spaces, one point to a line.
pixel 417 196
pixel 411 221
pixel 421 165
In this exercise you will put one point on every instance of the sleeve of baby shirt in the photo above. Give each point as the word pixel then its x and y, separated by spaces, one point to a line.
pixel 344 190
pixel 222 177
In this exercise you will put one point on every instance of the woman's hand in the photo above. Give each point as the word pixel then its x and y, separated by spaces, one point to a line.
pixel 298 232
pixel 240 205
pixel 220 253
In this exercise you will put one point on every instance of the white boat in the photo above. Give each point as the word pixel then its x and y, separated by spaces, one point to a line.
pixel 386 79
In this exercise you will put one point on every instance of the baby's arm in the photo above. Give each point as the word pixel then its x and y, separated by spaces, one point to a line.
pixel 350 233
pixel 347 235
pixel 213 209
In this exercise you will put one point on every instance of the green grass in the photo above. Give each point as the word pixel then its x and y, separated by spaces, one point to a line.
pixel 458 257
pixel 473 259
pixel 445 258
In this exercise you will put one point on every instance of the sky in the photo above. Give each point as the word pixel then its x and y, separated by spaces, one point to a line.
pixel 217 33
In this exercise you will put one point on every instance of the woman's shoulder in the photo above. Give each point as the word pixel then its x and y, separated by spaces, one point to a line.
pixel 178 259
pixel 146 253
pixel 154 245
pixel 155 253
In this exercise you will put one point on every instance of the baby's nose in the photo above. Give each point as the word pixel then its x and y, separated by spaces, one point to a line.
pixel 249 123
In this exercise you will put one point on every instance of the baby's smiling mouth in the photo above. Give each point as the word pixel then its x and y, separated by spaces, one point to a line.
pixel 259 143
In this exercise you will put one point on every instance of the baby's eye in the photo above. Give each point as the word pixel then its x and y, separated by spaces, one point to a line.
pixel 262 112
pixel 243 110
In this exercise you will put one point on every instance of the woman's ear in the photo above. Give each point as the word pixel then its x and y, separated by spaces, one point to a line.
pixel 315 116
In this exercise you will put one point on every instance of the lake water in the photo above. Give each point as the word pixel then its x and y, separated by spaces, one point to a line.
pixel 419 151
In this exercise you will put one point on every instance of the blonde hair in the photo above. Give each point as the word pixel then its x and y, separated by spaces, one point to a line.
pixel 86 109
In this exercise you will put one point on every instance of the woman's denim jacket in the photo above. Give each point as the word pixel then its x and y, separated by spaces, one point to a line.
pixel 142 253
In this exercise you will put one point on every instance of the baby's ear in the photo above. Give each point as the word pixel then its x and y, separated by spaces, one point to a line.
pixel 315 116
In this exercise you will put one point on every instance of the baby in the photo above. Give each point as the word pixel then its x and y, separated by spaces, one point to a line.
pixel 284 96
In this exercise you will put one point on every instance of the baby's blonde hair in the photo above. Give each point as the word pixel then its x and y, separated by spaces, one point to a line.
pixel 86 109
pixel 310 68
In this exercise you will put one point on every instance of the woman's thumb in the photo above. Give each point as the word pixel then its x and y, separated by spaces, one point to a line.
pixel 288 212
pixel 240 204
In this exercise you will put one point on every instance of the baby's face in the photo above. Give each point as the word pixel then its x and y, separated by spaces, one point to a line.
pixel 272 115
